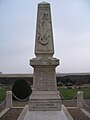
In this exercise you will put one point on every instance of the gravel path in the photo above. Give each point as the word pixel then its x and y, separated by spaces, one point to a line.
pixel 77 114
pixel 12 114
pixel 2 107
pixel 20 104
pixel 88 104
pixel 73 103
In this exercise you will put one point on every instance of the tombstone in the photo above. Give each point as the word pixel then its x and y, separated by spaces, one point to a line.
pixel 44 95
pixel 9 99
pixel 80 99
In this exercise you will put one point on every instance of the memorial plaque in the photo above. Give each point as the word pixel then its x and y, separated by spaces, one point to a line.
pixel 45 105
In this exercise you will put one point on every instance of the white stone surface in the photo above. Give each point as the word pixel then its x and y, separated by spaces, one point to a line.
pixel 4 112
pixel 86 112
pixel 80 99
pixel 23 113
pixel 8 99
pixel 45 115
pixel 68 115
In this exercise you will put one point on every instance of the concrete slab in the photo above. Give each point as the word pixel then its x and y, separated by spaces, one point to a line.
pixel 69 117
pixel 85 112
pixel 23 113
pixel 45 115
pixel 4 111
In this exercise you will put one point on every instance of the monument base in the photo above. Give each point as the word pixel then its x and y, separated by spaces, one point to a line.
pixel 45 115
pixel 45 101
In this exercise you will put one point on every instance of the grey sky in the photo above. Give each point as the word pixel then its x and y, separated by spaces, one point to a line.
pixel 71 30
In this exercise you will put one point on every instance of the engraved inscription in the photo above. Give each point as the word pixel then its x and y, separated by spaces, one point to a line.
pixel 51 105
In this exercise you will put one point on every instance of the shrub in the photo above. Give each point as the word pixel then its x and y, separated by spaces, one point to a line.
pixel 21 89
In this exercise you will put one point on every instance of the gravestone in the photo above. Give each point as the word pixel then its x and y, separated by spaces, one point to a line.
pixel 44 95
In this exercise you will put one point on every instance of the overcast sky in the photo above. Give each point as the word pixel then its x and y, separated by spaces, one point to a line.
pixel 71 31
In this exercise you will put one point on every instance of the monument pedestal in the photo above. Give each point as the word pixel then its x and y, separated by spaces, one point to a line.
pixel 44 96
pixel 45 115
pixel 45 101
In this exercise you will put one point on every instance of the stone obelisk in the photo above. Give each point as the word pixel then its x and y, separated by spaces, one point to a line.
pixel 44 95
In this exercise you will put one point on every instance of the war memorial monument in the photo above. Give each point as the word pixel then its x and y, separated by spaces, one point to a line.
pixel 44 95
pixel 44 102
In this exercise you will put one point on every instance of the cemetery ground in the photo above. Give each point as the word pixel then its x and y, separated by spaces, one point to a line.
pixel 68 96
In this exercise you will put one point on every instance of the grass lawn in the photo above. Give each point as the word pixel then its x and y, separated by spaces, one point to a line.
pixel 70 93
pixel 2 94
pixel 86 92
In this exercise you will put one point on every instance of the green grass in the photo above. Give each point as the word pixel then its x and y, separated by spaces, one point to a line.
pixel 67 93
pixel 70 93
pixel 2 94
pixel 86 92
